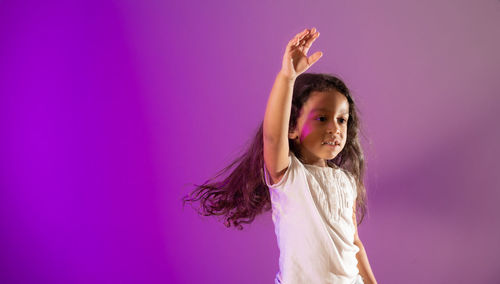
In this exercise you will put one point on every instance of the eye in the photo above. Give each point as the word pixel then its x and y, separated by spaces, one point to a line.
pixel 343 120
pixel 321 117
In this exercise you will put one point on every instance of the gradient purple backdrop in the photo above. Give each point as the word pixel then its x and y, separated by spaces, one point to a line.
pixel 110 109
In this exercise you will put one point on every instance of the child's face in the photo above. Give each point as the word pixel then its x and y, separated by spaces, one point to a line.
pixel 323 118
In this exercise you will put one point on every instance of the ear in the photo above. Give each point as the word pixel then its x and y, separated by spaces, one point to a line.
pixel 293 135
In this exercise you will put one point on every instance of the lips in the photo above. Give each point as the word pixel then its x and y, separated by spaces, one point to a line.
pixel 336 142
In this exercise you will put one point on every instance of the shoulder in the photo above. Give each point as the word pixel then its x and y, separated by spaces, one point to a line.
pixel 289 175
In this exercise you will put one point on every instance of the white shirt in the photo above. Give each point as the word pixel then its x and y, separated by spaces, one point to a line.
pixel 312 210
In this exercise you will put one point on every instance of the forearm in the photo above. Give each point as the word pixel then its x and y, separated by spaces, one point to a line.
pixel 364 266
pixel 277 115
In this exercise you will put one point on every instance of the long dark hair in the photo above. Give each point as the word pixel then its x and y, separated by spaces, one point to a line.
pixel 243 194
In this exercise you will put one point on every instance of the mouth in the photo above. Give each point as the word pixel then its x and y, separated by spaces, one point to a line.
pixel 331 143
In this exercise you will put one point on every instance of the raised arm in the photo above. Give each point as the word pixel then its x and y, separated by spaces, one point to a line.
pixel 275 127
pixel 277 115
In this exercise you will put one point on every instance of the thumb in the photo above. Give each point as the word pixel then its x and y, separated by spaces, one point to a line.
pixel 314 57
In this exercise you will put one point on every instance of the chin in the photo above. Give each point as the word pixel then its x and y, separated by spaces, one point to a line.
pixel 333 157
pixel 330 157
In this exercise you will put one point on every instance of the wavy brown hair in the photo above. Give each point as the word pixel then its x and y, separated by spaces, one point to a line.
pixel 243 194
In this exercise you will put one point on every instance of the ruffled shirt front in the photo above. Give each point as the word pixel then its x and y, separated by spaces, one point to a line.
pixel 312 210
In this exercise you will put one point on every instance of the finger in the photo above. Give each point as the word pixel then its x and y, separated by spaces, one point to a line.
pixel 309 42
pixel 299 40
pixel 307 33
pixel 306 42
pixel 298 37
pixel 315 57
pixel 302 34
pixel 305 39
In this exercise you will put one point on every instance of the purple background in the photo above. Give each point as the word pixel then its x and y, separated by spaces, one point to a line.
pixel 110 109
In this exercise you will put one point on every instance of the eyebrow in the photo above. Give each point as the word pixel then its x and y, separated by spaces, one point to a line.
pixel 327 110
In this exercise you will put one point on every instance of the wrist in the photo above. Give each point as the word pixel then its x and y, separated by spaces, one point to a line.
pixel 287 76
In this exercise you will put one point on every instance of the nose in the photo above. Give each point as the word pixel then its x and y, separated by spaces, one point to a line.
pixel 334 128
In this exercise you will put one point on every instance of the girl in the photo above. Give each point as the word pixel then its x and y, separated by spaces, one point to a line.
pixel 306 163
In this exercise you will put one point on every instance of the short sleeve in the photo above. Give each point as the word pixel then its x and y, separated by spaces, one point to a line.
pixel 284 178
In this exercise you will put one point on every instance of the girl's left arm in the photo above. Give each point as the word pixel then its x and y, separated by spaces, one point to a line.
pixel 363 265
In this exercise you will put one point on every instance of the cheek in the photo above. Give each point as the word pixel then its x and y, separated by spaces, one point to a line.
pixel 309 135
pixel 344 134
pixel 306 130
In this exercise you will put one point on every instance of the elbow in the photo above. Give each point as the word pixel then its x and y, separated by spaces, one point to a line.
pixel 275 140
pixel 269 139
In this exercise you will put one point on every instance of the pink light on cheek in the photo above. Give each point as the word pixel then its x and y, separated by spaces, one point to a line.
pixel 306 130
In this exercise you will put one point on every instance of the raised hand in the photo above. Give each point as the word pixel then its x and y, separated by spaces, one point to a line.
pixel 295 60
